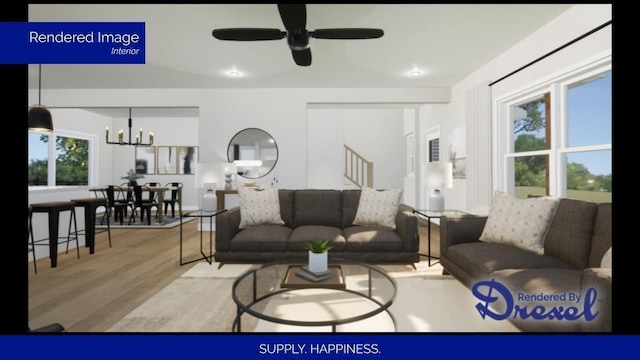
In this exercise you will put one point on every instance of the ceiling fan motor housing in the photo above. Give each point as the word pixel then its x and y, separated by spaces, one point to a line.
pixel 298 39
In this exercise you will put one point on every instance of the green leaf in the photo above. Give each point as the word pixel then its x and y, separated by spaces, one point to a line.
pixel 318 246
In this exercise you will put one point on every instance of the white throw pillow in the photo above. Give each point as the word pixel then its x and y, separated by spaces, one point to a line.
pixel 378 208
pixel 606 259
pixel 520 222
pixel 259 207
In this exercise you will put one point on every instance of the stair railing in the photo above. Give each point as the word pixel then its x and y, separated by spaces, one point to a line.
pixel 357 169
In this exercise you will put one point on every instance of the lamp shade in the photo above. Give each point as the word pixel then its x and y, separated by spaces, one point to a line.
pixel 40 119
pixel 438 175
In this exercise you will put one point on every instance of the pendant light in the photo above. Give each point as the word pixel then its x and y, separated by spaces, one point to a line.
pixel 40 118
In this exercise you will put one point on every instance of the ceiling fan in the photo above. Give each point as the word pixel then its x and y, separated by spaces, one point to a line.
pixel 294 18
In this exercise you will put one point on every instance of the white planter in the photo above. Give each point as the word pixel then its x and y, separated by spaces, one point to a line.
pixel 318 261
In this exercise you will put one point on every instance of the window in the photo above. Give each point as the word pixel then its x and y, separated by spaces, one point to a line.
pixel 558 141
pixel 431 145
pixel 62 162
pixel 434 150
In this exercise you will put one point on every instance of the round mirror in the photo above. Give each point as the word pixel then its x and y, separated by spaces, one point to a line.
pixel 254 152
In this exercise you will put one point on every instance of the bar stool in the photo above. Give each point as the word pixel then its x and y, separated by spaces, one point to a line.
pixel 31 245
pixel 91 206
pixel 53 209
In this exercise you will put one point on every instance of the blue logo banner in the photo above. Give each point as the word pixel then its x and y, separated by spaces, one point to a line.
pixel 315 346
pixel 72 43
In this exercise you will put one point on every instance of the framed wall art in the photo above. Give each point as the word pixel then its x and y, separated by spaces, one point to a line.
pixel 187 159
pixel 167 160
pixel 145 160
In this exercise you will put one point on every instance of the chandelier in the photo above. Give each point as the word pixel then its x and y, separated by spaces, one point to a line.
pixel 138 140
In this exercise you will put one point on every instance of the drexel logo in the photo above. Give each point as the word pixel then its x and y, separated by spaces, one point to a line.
pixel 491 292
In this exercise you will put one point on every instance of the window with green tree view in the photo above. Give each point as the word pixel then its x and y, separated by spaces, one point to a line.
pixel 561 142
pixel 65 162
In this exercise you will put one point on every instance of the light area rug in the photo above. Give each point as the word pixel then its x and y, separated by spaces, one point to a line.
pixel 200 301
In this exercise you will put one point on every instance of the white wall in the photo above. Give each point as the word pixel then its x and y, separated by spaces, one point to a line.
pixel 378 135
pixel 410 121
pixel 325 148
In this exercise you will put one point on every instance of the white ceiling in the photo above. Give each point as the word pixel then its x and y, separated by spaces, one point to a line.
pixel 446 42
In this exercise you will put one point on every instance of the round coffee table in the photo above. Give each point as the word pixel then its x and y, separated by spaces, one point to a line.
pixel 275 293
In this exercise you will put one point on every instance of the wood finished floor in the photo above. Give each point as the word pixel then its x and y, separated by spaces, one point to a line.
pixel 92 293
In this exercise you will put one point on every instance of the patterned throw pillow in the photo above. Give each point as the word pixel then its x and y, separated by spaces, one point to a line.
pixel 522 223
pixel 378 208
pixel 259 207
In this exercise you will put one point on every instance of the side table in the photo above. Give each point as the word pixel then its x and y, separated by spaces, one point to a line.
pixel 201 214
pixel 428 215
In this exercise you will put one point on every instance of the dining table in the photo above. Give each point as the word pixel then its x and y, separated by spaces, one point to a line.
pixel 160 190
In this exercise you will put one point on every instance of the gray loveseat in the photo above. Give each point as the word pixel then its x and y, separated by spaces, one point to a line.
pixel 307 214
pixel 578 237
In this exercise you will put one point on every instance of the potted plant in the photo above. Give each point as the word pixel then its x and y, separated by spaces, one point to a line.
pixel 132 177
pixel 318 254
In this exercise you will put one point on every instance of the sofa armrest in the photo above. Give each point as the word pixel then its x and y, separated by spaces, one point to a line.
pixel 460 229
pixel 599 279
pixel 407 228
pixel 227 225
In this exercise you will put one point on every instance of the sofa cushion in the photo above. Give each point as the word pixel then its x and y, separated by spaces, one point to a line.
pixel 306 233
pixel 259 207
pixel 318 207
pixel 350 200
pixel 522 223
pixel 286 207
pixel 261 238
pixel 601 238
pixel 569 236
pixel 378 207
pixel 372 239
pixel 480 259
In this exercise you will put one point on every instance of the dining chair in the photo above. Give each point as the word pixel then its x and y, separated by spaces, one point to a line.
pixel 175 187
pixel 153 196
pixel 118 203
pixel 143 200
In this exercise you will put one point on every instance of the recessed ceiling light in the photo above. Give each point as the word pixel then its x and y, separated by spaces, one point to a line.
pixel 233 74
pixel 415 73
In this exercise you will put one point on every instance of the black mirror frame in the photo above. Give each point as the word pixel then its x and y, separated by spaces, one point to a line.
pixel 265 133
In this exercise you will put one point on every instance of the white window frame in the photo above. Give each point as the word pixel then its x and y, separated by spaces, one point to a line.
pixel 51 158
pixel 557 85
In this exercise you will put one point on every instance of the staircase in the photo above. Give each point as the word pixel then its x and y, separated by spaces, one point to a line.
pixel 357 169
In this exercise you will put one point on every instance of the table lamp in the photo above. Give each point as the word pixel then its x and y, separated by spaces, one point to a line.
pixel 437 176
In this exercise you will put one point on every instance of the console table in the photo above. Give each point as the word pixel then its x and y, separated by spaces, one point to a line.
pixel 220 194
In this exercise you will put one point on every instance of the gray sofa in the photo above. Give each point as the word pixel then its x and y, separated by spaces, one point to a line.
pixel 307 214
pixel 578 237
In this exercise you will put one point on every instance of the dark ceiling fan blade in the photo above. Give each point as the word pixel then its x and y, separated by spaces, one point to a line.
pixel 248 34
pixel 348 33
pixel 302 57
pixel 294 16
